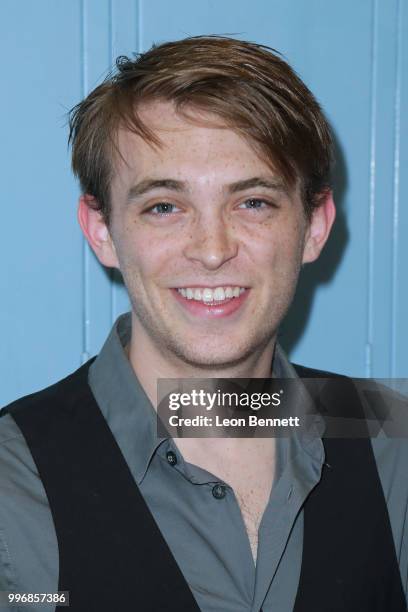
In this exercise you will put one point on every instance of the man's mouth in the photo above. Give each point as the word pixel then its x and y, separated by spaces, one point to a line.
pixel 211 296
pixel 211 302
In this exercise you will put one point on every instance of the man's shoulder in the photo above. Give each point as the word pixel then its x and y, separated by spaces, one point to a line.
pixel 16 463
pixel 382 393
pixel 382 403
pixel 61 391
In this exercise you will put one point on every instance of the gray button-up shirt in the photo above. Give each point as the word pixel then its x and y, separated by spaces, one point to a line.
pixel 202 526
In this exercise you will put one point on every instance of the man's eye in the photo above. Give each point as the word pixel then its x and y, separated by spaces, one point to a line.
pixel 162 208
pixel 255 204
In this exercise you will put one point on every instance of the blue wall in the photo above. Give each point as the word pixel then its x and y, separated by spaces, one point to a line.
pixel 57 304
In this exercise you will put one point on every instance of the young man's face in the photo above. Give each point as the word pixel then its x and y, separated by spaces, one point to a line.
pixel 218 217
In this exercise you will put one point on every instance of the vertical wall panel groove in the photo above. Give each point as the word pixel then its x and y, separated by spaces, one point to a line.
pixel 372 202
pixel 401 323
pixel 396 184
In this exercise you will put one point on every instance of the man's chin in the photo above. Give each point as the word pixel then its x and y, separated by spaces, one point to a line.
pixel 213 359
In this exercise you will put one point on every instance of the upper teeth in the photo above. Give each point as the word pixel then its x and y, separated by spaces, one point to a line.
pixel 206 294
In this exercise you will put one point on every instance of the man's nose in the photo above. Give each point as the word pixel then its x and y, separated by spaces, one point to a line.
pixel 211 243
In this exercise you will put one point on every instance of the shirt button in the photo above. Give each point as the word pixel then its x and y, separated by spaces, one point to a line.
pixel 218 491
pixel 171 457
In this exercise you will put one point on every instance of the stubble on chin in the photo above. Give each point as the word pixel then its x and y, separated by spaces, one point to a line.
pixel 205 351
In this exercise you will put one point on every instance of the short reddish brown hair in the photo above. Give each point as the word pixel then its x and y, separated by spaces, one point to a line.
pixel 247 85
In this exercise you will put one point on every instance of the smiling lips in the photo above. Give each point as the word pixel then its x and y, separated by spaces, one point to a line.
pixel 211 302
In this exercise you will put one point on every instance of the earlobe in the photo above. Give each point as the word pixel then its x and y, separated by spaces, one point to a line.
pixel 319 228
pixel 96 231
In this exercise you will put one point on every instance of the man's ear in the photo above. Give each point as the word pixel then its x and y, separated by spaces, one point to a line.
pixel 96 231
pixel 319 227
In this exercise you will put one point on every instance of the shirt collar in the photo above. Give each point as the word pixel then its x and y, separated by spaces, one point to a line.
pixel 123 401
pixel 126 407
pixel 303 452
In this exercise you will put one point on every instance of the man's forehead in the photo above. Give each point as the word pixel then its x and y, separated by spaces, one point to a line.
pixel 136 153
pixel 166 125
pixel 187 144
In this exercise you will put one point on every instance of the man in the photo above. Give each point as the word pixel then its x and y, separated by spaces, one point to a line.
pixel 204 167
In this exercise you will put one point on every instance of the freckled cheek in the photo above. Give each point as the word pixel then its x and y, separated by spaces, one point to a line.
pixel 265 247
pixel 275 259
pixel 151 255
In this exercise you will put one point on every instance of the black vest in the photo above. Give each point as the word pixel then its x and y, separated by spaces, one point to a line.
pixel 112 555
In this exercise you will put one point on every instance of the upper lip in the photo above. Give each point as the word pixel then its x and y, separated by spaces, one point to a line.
pixel 200 286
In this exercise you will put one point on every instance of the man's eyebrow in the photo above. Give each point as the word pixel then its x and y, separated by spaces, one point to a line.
pixel 257 181
pixel 150 184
